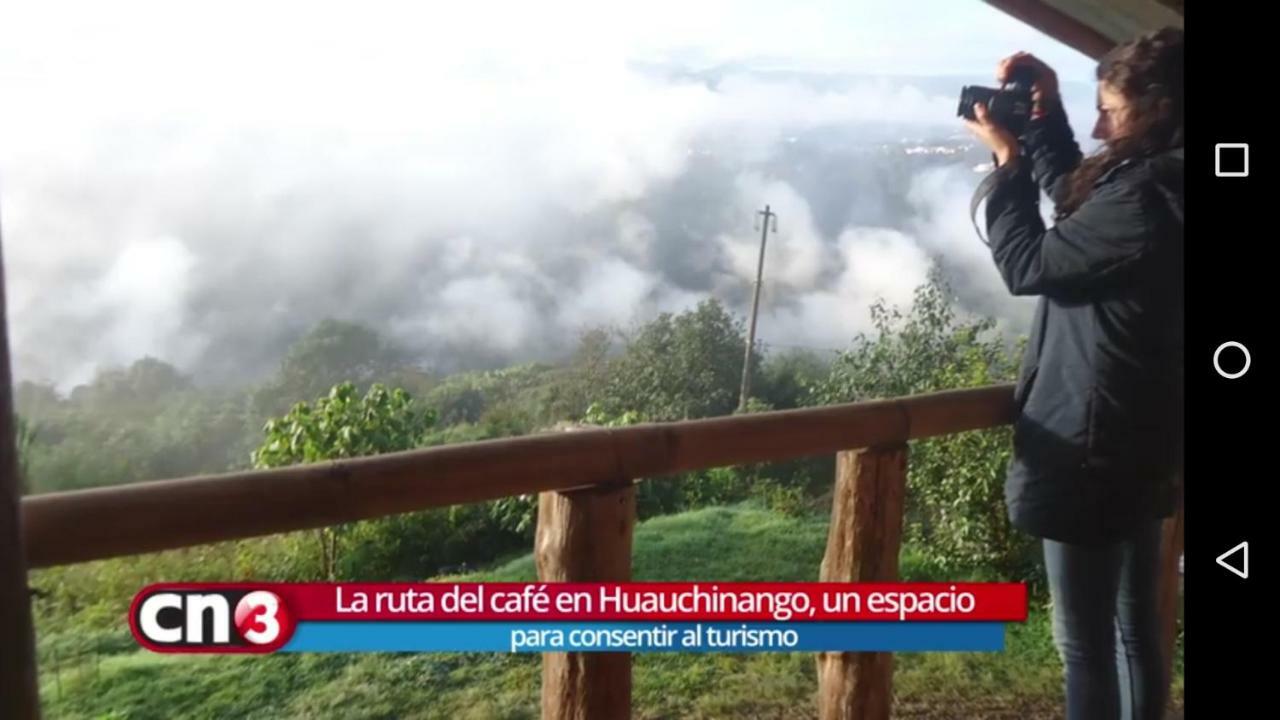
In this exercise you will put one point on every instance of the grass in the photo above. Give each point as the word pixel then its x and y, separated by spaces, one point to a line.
pixel 734 543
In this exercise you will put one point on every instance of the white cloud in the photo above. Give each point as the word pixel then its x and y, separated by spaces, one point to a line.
pixel 797 258
pixel 480 173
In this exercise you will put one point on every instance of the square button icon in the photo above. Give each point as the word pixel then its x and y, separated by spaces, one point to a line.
pixel 1231 159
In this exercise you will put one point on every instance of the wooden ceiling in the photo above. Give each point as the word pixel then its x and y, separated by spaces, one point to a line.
pixel 1094 26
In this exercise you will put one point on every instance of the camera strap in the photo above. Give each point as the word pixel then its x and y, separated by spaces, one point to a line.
pixel 980 194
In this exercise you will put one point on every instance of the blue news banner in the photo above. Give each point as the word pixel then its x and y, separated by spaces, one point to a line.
pixel 637 637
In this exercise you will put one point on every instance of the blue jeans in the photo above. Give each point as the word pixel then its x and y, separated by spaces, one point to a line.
pixel 1106 626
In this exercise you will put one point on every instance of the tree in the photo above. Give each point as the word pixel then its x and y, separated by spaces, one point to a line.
pixel 679 366
pixel 37 400
pixel 786 378
pixel 923 349
pixel 955 502
pixel 200 432
pixel 585 379
pixel 145 421
pixel 517 399
pixel 333 352
pixel 134 391
pixel 343 425
pixel 407 546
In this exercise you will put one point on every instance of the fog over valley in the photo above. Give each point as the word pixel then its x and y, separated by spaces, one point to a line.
pixel 478 205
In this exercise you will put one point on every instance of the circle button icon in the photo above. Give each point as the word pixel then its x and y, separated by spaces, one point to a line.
pixel 1217 356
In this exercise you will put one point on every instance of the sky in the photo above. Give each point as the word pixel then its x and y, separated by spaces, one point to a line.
pixel 201 182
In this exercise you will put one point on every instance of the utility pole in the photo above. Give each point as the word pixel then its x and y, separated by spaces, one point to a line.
pixel 769 217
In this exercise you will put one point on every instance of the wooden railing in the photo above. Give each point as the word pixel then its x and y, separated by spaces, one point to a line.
pixel 586 512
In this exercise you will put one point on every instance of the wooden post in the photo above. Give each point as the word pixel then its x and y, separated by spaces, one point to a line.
pixel 862 546
pixel 19 698
pixel 1170 582
pixel 585 536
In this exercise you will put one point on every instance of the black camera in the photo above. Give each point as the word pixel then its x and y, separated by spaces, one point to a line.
pixel 1009 107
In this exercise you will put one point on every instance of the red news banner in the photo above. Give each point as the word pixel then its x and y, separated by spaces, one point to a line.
pixel 787 602
pixel 575 617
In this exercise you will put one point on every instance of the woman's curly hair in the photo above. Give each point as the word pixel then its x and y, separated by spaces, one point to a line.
pixel 1147 71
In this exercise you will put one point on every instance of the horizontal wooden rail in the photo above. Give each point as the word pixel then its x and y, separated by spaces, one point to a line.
pixel 82 525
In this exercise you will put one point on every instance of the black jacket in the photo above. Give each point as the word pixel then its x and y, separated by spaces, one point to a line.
pixel 1098 436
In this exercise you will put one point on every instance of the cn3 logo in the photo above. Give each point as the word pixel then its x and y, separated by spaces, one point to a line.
pixel 210 619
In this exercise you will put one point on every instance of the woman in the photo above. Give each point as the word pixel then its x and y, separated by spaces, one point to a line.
pixel 1098 437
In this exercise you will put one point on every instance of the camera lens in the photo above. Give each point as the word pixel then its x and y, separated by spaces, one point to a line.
pixel 970 95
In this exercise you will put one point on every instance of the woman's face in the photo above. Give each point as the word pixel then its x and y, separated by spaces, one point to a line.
pixel 1113 113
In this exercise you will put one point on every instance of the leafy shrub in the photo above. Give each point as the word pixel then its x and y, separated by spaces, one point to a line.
pixel 955 501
